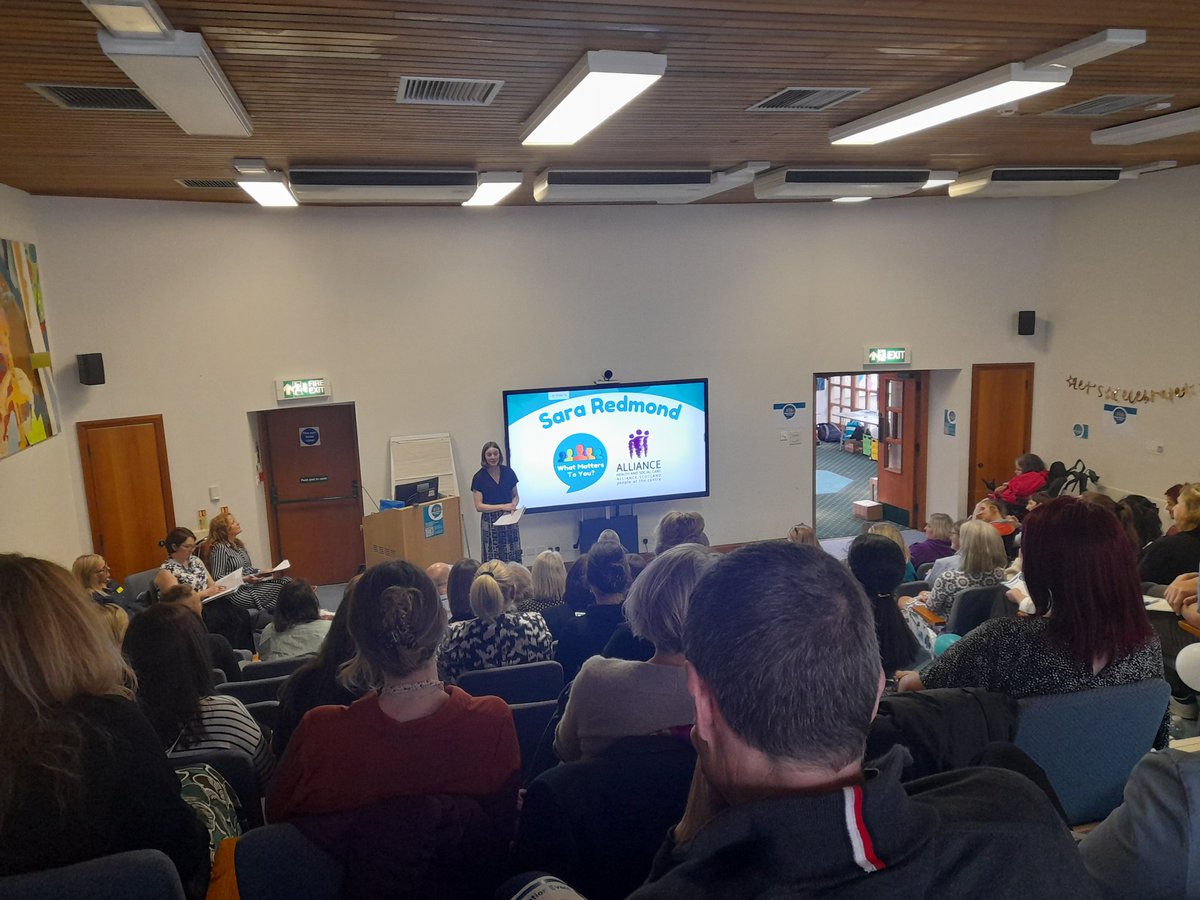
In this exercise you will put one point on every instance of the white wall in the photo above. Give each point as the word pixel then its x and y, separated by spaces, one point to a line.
pixel 38 514
pixel 198 307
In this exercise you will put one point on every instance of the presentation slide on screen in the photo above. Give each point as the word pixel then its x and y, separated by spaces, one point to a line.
pixel 608 444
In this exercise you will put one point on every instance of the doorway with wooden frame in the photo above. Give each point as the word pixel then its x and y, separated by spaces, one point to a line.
pixel 128 486
pixel 878 453
pixel 1001 423
pixel 312 482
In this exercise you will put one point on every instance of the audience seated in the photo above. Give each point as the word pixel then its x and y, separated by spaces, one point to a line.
pixel 223 655
pixel 316 682
pixel 615 698
pixel 522 583
pixel 680 528
pixel 117 621
pixel 1174 554
pixel 948 563
pixel 1172 496
pixel 82 773
pixel 937 541
pixel 990 511
pixel 296 629
pixel 549 583
pixel 803 534
pixel 458 589
pixel 167 647
pixel 183 566
pixel 607 573
pixel 498 635
pixel 1029 477
pixel 1089 630
pixel 983 562
pixel 439 574
pixel 878 565
pixel 892 533
pixel 91 571
pixel 413 765
pixel 781 802
pixel 1139 517
pixel 224 553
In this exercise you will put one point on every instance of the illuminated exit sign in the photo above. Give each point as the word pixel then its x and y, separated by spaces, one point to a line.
pixel 302 388
pixel 887 356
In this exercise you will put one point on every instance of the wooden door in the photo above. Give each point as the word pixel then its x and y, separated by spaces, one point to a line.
pixel 314 514
pixel 1001 423
pixel 903 421
pixel 128 487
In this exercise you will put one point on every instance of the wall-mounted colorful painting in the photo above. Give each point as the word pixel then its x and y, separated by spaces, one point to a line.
pixel 28 407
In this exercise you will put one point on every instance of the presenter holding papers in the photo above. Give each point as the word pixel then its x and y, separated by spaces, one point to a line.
pixel 495 490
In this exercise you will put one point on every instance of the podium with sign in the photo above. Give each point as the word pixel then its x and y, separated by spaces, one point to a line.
pixel 422 534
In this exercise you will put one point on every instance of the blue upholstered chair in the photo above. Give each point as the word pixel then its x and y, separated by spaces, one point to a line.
pixel 135 875
pixel 974 606
pixel 526 683
pixel 255 691
pixel 531 720
pixel 1088 742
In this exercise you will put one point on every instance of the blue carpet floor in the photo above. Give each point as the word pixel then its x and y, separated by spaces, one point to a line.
pixel 841 479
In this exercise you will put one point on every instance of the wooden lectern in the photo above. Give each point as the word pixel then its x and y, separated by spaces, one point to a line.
pixel 422 534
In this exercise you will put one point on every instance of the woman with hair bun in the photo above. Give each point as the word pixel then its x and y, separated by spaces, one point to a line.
pixel 182 565
pixel 410 735
pixel 499 635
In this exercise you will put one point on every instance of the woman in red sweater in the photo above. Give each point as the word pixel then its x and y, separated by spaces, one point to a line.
pixel 1029 478
pixel 409 735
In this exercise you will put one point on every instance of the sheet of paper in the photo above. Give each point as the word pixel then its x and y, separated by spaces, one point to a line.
pixel 511 518
pixel 1157 604
pixel 232 580
pixel 285 564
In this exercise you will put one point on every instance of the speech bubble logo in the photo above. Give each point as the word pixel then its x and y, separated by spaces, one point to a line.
pixel 579 461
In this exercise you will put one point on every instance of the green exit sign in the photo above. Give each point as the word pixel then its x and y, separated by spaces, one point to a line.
pixel 301 388
pixel 887 356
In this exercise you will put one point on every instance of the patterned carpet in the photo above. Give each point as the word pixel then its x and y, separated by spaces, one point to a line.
pixel 841 479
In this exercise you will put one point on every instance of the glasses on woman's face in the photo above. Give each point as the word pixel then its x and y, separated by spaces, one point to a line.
pixel 188 547
pixel 101 570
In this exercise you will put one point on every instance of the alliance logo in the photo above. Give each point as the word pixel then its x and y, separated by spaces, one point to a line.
pixel 579 461
pixel 639 443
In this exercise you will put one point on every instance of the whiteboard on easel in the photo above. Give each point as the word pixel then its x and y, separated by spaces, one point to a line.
pixel 417 456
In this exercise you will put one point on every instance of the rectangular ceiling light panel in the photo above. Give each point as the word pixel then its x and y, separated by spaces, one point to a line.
pixel 494 187
pixel 601 83
pixel 998 87
pixel 1171 125
pixel 359 185
pixel 140 19
pixel 826 184
pixel 182 78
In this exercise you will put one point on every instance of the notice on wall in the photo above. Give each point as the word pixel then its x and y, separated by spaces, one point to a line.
pixel 949 422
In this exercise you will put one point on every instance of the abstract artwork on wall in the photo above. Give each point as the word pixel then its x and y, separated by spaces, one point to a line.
pixel 28 407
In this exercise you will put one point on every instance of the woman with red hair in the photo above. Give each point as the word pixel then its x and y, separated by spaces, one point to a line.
pixel 1090 628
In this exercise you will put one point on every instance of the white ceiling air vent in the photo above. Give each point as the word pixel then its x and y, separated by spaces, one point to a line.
pixel 1108 104
pixel 805 99
pixel 1034 181
pixel 95 97
pixel 208 184
pixel 622 185
pixel 416 89
pixel 825 184
pixel 354 184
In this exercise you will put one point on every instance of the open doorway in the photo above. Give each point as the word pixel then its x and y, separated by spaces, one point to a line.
pixel 868 453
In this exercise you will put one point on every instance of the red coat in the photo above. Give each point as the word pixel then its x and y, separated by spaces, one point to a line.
pixel 1023 485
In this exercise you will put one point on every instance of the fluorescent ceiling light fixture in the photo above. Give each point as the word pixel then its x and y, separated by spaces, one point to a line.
pixel 267 187
pixel 939 178
pixel 998 87
pixel 181 77
pixel 140 19
pixel 600 84
pixel 1091 48
pixel 850 199
pixel 1171 125
pixel 494 187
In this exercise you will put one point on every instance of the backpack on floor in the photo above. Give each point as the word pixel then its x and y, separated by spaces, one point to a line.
pixel 828 433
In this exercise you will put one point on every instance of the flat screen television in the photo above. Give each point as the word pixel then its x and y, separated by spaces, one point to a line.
pixel 605 444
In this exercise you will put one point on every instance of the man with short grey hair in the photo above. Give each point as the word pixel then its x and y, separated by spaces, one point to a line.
pixel 784 669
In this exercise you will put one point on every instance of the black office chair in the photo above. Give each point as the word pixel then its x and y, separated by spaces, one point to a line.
pixel 974 606
pixel 530 720
pixel 266 713
pixel 271 668
pixel 237 768
pixel 526 683
pixel 253 691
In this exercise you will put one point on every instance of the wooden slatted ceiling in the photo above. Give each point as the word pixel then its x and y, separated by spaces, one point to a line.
pixel 319 81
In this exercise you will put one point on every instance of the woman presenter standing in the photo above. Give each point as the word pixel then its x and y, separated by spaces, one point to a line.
pixel 495 490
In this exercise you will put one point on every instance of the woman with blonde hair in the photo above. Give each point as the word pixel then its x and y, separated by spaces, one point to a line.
pixel 804 535
pixel 91 571
pixel 680 528
pixel 499 635
pixel 223 552
pixel 983 562
pixel 1176 554
pixel 81 772
pixel 549 583
pixel 937 544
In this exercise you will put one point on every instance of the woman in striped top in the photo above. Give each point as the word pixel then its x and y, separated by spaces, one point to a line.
pixel 168 650
pixel 224 553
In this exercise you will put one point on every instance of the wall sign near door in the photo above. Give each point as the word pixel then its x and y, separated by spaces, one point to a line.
pixel 302 388
pixel 887 356
pixel 313 479
pixel 310 437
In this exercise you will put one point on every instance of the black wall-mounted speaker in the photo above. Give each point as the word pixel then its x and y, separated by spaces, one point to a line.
pixel 91 368
pixel 1026 319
